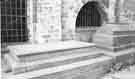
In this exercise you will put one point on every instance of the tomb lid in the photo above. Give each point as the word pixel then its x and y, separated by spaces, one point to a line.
pixel 112 28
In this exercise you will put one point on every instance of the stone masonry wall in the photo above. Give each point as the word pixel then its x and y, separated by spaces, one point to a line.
pixel 44 20
pixel 70 10
pixel 29 19
pixel 48 26
pixel 54 20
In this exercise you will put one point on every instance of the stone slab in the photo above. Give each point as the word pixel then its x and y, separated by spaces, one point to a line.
pixel 53 62
pixel 113 48
pixel 117 29
pixel 114 40
pixel 28 49
pixel 47 55
pixel 115 37
pixel 123 56
pixel 69 71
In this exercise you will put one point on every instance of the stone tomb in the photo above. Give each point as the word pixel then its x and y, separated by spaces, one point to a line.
pixel 67 59
pixel 115 37
pixel 29 57
pixel 117 40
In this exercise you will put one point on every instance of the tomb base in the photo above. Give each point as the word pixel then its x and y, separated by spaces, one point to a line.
pixel 115 37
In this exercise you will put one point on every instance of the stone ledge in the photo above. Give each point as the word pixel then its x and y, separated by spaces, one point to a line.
pixel 121 56
pixel 91 64
pixel 54 54
pixel 115 37
pixel 114 48
pixel 51 62
pixel 113 54
pixel 27 49
pixel 115 40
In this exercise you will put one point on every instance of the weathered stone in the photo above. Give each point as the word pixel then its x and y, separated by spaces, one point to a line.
pixel 85 34
pixel 91 71
pixel 125 58
pixel 23 58
pixel 41 51
pixel 42 64
pixel 46 21
pixel 115 37
pixel 82 69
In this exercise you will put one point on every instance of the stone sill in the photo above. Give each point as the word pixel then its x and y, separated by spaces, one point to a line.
pixel 86 29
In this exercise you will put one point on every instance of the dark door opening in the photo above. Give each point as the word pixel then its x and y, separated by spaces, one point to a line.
pixel 89 16
pixel 14 21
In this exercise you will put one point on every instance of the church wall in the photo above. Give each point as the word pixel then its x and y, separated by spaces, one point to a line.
pixel 30 19
pixel 44 20
pixel 54 20
pixel 48 26
pixel 70 9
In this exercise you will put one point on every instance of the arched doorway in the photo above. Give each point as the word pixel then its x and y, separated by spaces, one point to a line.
pixel 89 18
pixel 89 15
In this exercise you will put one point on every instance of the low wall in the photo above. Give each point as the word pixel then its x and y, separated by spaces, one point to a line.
pixel 85 34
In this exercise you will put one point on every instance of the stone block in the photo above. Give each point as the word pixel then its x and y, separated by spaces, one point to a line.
pixel 28 53
pixel 5 67
pixel 112 48
pixel 126 58
pixel 42 64
pixel 4 49
pixel 25 58
pixel 94 69
pixel 85 34
pixel 115 37
pixel 52 55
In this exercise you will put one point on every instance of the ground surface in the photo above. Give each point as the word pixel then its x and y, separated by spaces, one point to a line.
pixel 128 73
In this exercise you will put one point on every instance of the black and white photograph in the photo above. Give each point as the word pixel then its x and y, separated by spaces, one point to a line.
pixel 67 39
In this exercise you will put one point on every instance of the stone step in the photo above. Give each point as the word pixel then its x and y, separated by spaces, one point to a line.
pixel 52 62
pixel 33 52
pixel 45 56
pixel 89 68
pixel 25 58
